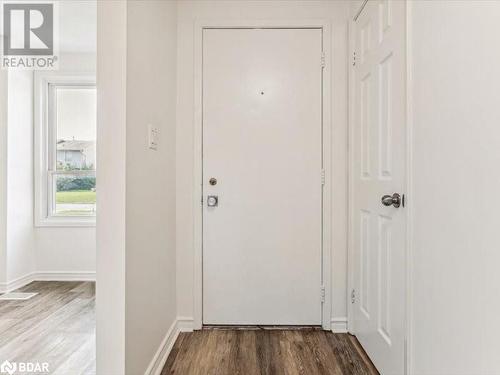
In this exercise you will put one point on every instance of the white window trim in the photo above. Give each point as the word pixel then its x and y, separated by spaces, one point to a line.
pixel 42 140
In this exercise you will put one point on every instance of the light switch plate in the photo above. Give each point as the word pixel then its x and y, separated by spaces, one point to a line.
pixel 153 137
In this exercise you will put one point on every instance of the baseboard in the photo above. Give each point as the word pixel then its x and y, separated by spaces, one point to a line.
pixel 339 325
pixel 185 324
pixel 181 324
pixel 9 286
pixel 45 276
pixel 65 276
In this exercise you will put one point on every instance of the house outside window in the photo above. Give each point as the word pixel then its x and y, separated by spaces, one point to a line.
pixel 75 154
pixel 65 157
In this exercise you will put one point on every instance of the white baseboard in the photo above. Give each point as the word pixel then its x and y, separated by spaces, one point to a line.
pixel 45 276
pixel 9 286
pixel 339 325
pixel 185 324
pixel 181 324
pixel 65 276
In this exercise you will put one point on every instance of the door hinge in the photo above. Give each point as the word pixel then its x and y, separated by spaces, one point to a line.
pixel 201 200
pixel 353 296
pixel 322 291
pixel 323 59
pixel 354 58
pixel 323 177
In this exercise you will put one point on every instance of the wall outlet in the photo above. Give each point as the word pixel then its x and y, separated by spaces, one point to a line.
pixel 153 137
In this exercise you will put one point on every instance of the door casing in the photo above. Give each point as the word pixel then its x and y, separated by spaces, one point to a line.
pixel 409 185
pixel 326 253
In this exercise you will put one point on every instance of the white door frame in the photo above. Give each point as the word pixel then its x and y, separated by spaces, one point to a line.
pixel 326 266
pixel 409 184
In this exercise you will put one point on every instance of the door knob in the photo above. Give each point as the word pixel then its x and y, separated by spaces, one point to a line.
pixel 395 200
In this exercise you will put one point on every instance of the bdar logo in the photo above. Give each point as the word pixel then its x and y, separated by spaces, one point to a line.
pixel 8 368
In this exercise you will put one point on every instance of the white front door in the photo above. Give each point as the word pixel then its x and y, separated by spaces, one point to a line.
pixel 379 168
pixel 262 159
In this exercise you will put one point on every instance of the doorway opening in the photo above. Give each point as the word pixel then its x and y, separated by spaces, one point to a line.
pixel 251 157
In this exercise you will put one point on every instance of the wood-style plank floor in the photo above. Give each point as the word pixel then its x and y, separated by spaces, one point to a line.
pixel 56 326
pixel 267 352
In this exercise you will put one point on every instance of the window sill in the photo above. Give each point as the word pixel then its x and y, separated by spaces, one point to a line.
pixel 64 222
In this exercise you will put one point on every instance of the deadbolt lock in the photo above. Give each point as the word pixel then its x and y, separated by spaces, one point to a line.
pixel 212 201
pixel 212 181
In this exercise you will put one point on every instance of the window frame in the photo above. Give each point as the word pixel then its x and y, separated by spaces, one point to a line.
pixel 45 155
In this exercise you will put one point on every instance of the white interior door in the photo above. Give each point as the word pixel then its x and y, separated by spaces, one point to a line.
pixel 379 168
pixel 262 132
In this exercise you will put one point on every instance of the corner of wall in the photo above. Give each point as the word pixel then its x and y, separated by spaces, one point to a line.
pixel 111 180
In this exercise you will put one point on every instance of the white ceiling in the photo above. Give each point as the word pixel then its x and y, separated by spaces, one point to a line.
pixel 77 26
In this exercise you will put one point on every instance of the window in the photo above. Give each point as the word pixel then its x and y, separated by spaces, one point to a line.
pixel 65 155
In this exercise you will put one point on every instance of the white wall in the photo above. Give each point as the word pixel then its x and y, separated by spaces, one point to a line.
pixel 77 26
pixel 20 232
pixel 188 12
pixel 111 184
pixel 136 303
pixel 66 250
pixel 456 179
pixel 150 237
pixel 3 177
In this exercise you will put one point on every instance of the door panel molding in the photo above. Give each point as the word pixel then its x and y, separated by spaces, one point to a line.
pixel 384 171
pixel 327 222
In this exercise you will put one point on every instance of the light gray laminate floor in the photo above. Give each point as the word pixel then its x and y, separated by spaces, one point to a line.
pixel 56 326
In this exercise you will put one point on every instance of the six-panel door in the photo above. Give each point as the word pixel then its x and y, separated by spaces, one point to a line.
pixel 379 168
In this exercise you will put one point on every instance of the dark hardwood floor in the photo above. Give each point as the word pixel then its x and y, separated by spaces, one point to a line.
pixel 56 326
pixel 267 352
